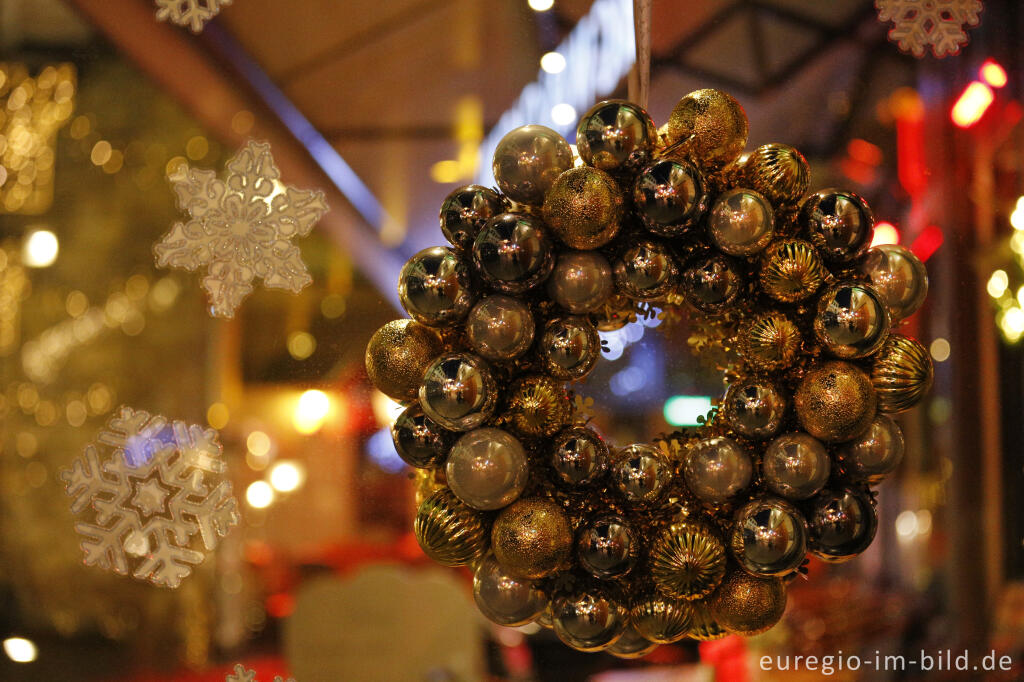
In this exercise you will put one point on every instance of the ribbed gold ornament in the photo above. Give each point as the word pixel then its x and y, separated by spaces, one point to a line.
pixel 662 620
pixel 398 355
pixel 769 341
pixel 704 627
pixel 450 532
pixel 538 406
pixel 747 605
pixel 779 172
pixel 426 482
pixel 687 560
pixel 711 125
pixel 584 208
pixel 902 373
pixel 791 270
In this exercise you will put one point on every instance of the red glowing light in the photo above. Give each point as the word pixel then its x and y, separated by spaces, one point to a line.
pixel 993 73
pixel 974 101
pixel 885 233
pixel 864 152
pixel 928 242
pixel 280 605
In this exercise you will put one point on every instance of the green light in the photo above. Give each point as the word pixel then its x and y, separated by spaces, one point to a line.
pixel 683 410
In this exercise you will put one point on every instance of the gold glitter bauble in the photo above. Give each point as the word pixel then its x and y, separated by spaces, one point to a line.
pixel 791 270
pixel 713 125
pixel 779 172
pixel 449 531
pixel 835 402
pixel 687 560
pixel 583 208
pixel 769 341
pixel 704 627
pixel 532 538
pixel 398 355
pixel 902 373
pixel 661 620
pixel 538 406
pixel 747 605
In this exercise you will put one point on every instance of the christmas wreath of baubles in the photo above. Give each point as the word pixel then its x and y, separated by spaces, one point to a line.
pixel 695 533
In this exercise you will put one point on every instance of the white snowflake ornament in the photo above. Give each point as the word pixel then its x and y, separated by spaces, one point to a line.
pixel 939 24
pixel 241 228
pixel 191 13
pixel 243 675
pixel 159 485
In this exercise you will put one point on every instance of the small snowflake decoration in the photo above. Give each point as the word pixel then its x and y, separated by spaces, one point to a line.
pixel 191 13
pixel 150 497
pixel 938 24
pixel 241 228
pixel 243 675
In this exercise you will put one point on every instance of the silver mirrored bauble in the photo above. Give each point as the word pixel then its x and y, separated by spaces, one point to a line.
pixel 716 469
pixel 851 320
pixel 487 468
pixel 607 547
pixel 500 328
pixel 641 472
pixel 581 281
pixel 616 136
pixel 796 466
pixel 632 645
pixel 842 524
pixel 579 455
pixel 513 252
pixel 769 537
pixel 434 287
pixel 419 441
pixel 875 453
pixel 670 197
pixel 458 391
pixel 464 212
pixel 754 408
pixel 588 621
pixel 528 160
pixel 899 277
pixel 712 282
pixel 569 347
pixel 741 222
pixel 839 223
pixel 645 270
pixel 504 598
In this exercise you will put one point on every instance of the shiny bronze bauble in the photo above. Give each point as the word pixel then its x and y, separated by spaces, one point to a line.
pixel 434 287
pixel 532 538
pixel 504 598
pixel 581 281
pixel 631 645
pixel 795 466
pixel 607 547
pixel 487 468
pixel 839 223
pixel 616 136
pixel 398 354
pixel 842 524
pixel 852 321
pixel 458 391
pixel 660 619
pixel 779 172
pixel 791 270
pixel 464 212
pixel 712 126
pixel 835 402
pixel 584 208
pixel 500 328
pixel 687 560
pixel 741 222
pixel 449 531
pixel 513 252
pixel 419 441
pixel 717 469
pixel 899 277
pixel 670 197
pixel 711 283
pixel 754 408
pixel 875 453
pixel 641 472
pixel 588 620
pixel 769 537
pixel 770 341
pixel 645 270
pixel 569 347
pixel 528 160
pixel 747 605
pixel 579 456
pixel 901 374
pixel 538 406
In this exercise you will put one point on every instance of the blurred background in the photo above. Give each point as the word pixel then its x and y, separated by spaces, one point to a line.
pixel 387 107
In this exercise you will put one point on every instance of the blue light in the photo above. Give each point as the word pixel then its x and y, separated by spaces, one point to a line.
pixel 683 410
pixel 381 450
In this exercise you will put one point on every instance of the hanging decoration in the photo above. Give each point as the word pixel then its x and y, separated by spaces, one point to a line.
pixel 240 228
pixel 936 24
pixel 148 487
pixel 695 533
pixel 192 14
pixel 242 675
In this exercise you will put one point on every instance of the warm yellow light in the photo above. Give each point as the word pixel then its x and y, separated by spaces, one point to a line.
pixel 553 62
pixel 563 114
pixel 287 476
pixel 259 495
pixel 885 233
pixel 1017 242
pixel 446 172
pixel 1017 216
pixel 541 5
pixel 40 249
pixel 906 524
pixel 385 409
pixel 998 283
pixel 940 350
pixel 1013 322
pixel 217 415
pixel 301 345
pixel 311 411
pixel 20 650
pixel 258 443
pixel 924 522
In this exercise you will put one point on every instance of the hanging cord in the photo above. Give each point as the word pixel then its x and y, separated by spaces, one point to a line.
pixel 640 74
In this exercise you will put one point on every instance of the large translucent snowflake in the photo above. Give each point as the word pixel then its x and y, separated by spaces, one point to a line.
pixel 150 497
pixel 243 675
pixel 191 13
pixel 940 24
pixel 241 228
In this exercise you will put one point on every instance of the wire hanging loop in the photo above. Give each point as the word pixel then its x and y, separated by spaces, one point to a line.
pixel 640 74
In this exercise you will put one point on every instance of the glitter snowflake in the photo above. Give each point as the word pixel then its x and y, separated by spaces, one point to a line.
pixel 243 675
pixel 241 228
pixel 938 24
pixel 191 13
pixel 150 497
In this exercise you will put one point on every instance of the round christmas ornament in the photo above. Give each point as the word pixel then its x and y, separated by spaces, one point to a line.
pixel 691 532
